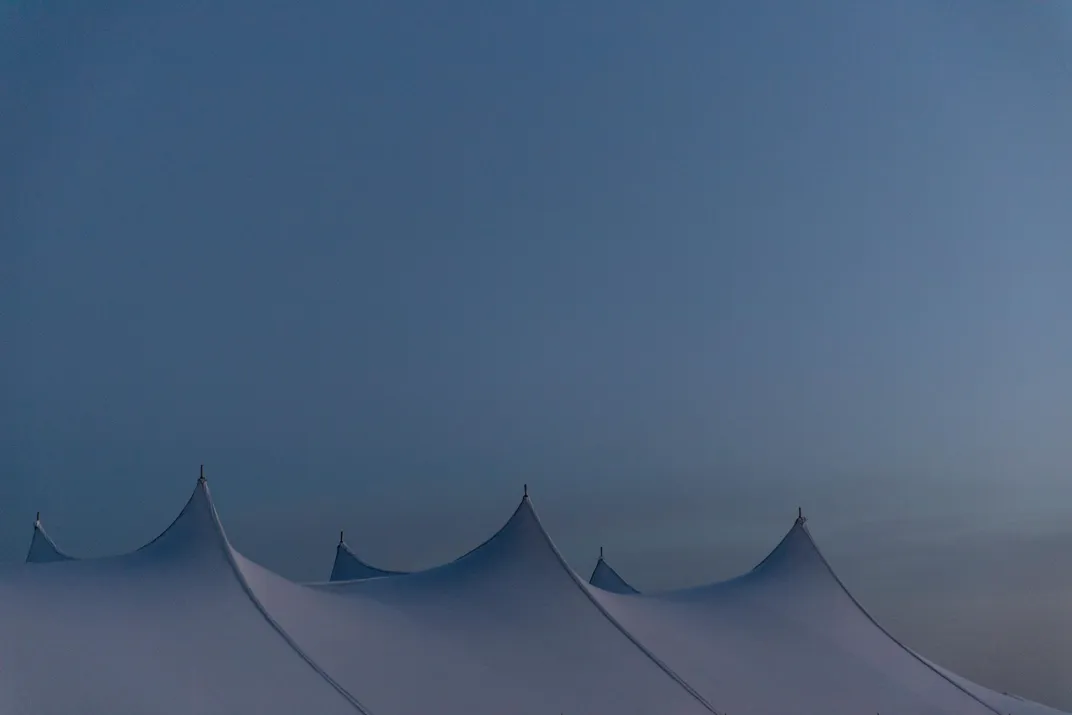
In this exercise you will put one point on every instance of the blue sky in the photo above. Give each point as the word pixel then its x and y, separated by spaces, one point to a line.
pixel 680 268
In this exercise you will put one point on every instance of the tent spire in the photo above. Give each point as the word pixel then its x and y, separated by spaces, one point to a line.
pixel 201 479
pixel 800 515
pixel 37 519
pixel 526 494
pixel 600 553
pixel 341 538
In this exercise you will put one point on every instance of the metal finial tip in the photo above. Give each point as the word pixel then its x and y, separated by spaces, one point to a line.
pixel 526 487
pixel 201 478
pixel 38 517
pixel 340 538
pixel 600 552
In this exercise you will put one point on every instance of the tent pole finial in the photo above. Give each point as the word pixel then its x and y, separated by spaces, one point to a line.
pixel 341 537
pixel 526 488
pixel 601 552
pixel 202 477
pixel 37 519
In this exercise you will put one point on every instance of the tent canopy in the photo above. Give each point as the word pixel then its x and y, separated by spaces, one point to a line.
pixel 187 624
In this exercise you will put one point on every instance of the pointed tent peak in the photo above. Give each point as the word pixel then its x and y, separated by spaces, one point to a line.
pixel 606 578
pixel 42 548
pixel 348 566
pixel 600 553
pixel 201 478
pixel 797 553
pixel 197 527
pixel 525 492
pixel 521 540
pixel 342 537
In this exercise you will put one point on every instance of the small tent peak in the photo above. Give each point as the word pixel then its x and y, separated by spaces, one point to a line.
pixel 348 566
pixel 42 548
pixel 605 577
pixel 201 479
pixel 800 516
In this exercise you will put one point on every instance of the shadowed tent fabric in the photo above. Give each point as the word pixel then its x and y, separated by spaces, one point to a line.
pixel 606 578
pixel 186 624
pixel 349 567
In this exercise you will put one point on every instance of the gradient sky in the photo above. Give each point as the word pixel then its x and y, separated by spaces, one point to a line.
pixel 680 267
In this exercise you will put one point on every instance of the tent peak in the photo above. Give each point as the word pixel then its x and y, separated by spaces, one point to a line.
pixel 201 479
pixel 800 516
pixel 525 493
pixel 342 539
pixel 605 577
pixel 37 519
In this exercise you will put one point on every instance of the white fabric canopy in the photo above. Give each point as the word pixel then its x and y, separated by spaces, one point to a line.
pixel 186 625
pixel 790 604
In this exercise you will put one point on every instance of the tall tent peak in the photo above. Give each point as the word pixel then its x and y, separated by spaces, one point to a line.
pixel 522 542
pixel 196 528
pixel 796 550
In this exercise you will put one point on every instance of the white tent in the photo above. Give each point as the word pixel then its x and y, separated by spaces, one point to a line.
pixel 790 605
pixel 186 625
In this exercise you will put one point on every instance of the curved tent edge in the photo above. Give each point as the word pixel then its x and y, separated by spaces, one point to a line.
pixel 347 562
pixel 930 666
pixel 229 552
pixel 331 584
pixel 584 587
pixel 526 506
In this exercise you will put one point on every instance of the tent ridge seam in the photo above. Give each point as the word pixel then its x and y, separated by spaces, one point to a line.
pixel 229 553
pixel 889 635
pixel 579 582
